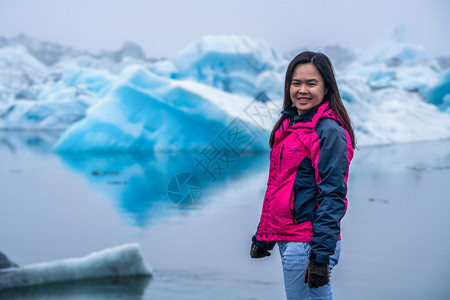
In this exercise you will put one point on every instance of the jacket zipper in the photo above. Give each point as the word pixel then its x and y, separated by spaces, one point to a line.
pixel 281 157
pixel 293 213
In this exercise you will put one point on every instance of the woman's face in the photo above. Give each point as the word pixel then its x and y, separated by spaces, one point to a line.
pixel 307 87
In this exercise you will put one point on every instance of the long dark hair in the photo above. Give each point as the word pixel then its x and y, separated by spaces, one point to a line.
pixel 325 68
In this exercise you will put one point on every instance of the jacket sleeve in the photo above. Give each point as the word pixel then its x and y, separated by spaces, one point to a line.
pixel 331 158
pixel 267 245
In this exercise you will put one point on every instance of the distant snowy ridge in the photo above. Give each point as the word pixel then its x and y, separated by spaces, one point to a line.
pixel 120 261
pixel 393 91
pixel 50 53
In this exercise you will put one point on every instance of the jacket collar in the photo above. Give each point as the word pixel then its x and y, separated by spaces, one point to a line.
pixel 308 119
pixel 292 114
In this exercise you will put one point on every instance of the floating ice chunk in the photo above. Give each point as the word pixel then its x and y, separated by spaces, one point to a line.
pixel 121 261
pixel 147 112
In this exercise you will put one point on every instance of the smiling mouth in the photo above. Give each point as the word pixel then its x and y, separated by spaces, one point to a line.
pixel 303 100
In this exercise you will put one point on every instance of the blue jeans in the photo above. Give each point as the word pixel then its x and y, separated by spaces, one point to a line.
pixel 295 257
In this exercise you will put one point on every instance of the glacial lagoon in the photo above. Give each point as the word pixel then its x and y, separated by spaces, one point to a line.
pixel 194 218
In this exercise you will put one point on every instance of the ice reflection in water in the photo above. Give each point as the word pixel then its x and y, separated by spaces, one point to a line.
pixel 145 186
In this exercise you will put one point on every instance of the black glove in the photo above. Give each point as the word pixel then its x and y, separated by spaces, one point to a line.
pixel 317 274
pixel 258 252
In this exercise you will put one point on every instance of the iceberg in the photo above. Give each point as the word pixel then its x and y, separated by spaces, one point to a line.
pixel 50 105
pixel 147 112
pixel 392 115
pixel 235 64
pixel 395 93
pixel 121 261
pixel 46 86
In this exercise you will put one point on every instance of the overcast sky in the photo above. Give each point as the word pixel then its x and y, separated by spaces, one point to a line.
pixel 164 27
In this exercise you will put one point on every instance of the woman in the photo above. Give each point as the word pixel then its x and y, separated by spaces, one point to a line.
pixel 312 145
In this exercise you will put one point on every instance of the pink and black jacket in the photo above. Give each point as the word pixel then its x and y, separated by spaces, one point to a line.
pixel 306 192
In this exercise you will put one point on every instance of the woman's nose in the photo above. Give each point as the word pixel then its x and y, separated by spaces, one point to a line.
pixel 302 89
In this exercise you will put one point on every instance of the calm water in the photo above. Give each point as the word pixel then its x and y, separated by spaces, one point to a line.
pixel 395 234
